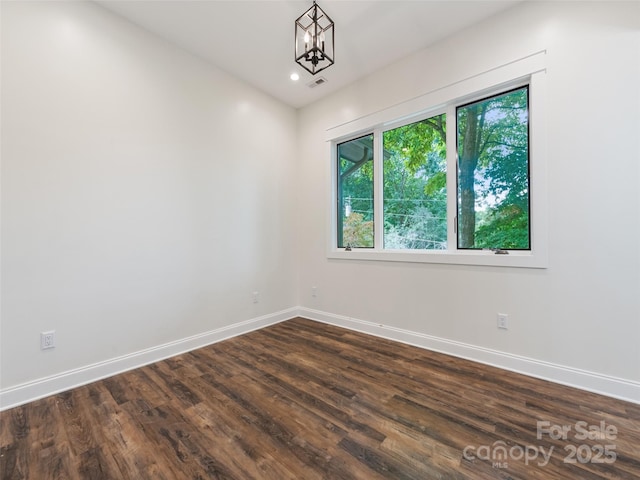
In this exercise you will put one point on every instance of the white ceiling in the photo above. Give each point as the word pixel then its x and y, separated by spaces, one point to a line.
pixel 253 39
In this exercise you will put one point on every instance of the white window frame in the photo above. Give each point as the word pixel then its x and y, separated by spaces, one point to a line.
pixel 530 71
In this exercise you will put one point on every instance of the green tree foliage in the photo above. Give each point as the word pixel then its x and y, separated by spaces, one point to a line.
pixel 493 172
pixel 357 232
pixel 415 197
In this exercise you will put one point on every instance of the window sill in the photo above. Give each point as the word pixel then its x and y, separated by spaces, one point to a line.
pixel 517 259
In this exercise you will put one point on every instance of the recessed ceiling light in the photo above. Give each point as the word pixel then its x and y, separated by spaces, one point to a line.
pixel 295 77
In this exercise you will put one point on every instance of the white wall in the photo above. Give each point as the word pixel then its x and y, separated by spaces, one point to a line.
pixel 143 192
pixel 583 312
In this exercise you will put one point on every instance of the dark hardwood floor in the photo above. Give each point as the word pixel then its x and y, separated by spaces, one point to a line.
pixel 303 400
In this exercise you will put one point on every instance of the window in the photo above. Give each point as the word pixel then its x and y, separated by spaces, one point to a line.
pixel 355 193
pixel 456 176
pixel 493 172
pixel 415 185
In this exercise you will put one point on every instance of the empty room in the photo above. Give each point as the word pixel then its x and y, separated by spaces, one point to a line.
pixel 280 239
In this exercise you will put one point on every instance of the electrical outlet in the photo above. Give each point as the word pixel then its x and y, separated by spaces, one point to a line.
pixel 256 297
pixel 47 340
pixel 502 320
pixel 314 291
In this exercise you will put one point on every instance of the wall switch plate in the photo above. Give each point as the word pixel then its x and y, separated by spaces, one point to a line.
pixel 502 320
pixel 256 297
pixel 47 340
pixel 314 291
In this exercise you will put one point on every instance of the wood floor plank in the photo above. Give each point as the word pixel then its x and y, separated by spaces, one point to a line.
pixel 120 435
pixel 306 400
pixel 14 454
pixel 50 449
pixel 244 436
pixel 303 424
pixel 250 454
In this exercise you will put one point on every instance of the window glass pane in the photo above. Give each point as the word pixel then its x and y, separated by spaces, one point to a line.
pixel 355 193
pixel 415 186
pixel 493 172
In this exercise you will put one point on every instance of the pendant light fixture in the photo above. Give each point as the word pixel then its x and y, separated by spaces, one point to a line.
pixel 314 40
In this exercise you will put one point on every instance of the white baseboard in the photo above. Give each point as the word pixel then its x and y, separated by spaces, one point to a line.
pixel 594 382
pixel 43 387
pixel 622 389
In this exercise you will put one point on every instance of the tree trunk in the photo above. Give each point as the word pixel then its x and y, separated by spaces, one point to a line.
pixel 467 163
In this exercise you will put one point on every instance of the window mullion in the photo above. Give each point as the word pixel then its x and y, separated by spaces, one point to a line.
pixel 378 184
pixel 452 185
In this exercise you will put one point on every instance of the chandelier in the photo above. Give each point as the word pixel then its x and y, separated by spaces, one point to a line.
pixel 314 40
